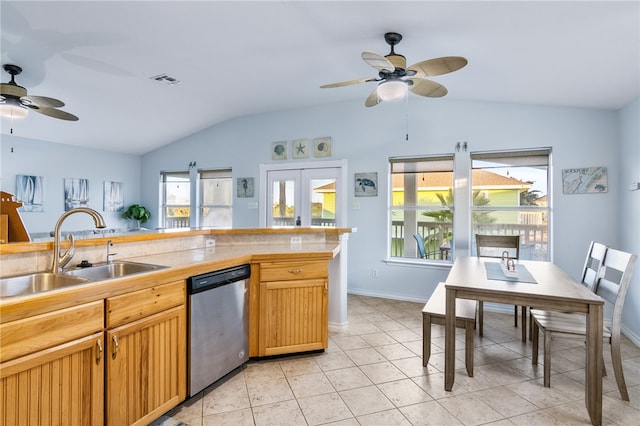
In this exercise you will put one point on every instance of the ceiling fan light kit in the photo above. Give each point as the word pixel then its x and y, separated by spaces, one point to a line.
pixel 13 109
pixel 15 102
pixel 393 90
pixel 396 79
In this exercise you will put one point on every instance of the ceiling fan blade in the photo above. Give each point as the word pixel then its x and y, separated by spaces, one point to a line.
pixel 43 101
pixel 377 61
pixel 438 66
pixel 427 88
pixel 348 83
pixel 56 113
pixel 373 99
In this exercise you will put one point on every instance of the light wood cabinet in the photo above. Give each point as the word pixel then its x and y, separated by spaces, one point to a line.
pixel 293 307
pixel 146 354
pixel 52 371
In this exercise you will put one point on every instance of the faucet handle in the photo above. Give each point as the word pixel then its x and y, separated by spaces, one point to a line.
pixel 68 254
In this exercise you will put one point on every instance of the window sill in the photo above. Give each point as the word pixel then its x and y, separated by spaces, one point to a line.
pixel 417 263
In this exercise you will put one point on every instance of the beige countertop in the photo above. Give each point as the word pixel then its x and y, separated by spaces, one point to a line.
pixel 181 265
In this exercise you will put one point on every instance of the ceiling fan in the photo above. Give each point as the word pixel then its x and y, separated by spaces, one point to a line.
pixel 396 79
pixel 15 103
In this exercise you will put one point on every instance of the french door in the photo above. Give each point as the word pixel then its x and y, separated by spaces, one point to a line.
pixel 310 196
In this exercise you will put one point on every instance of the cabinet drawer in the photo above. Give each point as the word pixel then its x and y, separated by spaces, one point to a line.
pixel 278 271
pixel 139 304
pixel 29 335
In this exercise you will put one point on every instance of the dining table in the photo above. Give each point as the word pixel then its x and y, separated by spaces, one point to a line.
pixel 539 285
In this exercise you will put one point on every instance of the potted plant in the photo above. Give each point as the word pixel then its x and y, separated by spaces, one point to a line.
pixel 138 213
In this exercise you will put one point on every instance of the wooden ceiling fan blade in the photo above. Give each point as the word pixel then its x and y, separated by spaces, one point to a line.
pixel 373 99
pixel 56 113
pixel 438 66
pixel 427 88
pixel 43 101
pixel 347 83
pixel 377 61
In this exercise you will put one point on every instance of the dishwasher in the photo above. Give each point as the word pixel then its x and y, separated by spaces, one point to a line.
pixel 218 325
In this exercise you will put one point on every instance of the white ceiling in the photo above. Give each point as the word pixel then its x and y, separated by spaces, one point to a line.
pixel 238 58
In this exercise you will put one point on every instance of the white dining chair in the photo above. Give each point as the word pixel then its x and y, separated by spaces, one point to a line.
pixel 612 282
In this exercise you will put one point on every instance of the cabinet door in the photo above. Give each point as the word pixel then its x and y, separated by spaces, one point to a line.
pixel 293 316
pixel 60 385
pixel 146 368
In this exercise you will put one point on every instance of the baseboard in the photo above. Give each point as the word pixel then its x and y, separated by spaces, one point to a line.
pixel 386 296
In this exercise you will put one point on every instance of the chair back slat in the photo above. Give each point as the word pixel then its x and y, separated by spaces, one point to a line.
pixel 592 264
pixel 495 245
pixel 613 281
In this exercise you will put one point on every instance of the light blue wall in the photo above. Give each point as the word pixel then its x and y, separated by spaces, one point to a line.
pixel 367 137
pixel 629 211
pixel 55 162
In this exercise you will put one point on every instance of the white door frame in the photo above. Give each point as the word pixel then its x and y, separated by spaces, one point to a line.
pixel 341 188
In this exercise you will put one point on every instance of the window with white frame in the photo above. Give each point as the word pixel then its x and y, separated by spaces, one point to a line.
pixel 510 197
pixel 176 199
pixel 209 206
pixel 216 198
pixel 421 207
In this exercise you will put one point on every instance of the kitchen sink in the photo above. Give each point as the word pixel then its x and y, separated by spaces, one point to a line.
pixel 116 269
pixel 36 283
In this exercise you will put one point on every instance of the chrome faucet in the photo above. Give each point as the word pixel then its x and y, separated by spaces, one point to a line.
pixel 60 260
pixel 109 254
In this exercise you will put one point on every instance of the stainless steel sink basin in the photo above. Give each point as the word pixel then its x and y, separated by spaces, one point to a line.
pixel 36 283
pixel 116 269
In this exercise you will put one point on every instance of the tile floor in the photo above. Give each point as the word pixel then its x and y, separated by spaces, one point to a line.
pixel 372 374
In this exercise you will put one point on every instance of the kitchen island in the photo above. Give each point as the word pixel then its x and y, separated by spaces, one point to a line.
pixel 118 346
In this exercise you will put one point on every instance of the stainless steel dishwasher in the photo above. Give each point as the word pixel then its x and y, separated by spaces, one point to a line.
pixel 218 323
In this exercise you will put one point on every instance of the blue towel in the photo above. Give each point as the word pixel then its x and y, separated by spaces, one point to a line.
pixel 494 272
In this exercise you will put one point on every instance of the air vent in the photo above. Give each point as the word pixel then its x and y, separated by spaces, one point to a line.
pixel 166 80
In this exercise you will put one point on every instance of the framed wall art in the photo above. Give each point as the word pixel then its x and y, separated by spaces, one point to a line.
pixel 76 193
pixel 300 148
pixel 322 147
pixel 30 192
pixel 366 184
pixel 113 196
pixel 279 150
pixel 245 187
pixel 585 180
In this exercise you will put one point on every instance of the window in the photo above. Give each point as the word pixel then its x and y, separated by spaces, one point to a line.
pixel 509 197
pixel 422 207
pixel 176 199
pixel 210 206
pixel 216 197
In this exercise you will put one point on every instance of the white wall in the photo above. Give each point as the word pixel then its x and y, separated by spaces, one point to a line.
pixel 55 162
pixel 629 211
pixel 367 137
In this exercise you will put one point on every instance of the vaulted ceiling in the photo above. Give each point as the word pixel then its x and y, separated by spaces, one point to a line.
pixel 237 58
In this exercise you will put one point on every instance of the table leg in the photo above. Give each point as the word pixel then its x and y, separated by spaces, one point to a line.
pixel 593 373
pixel 450 340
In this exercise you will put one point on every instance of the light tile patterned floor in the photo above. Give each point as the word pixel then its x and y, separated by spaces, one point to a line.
pixel 372 374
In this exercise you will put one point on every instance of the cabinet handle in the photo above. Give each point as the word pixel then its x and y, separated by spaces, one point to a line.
pixel 295 271
pixel 99 354
pixel 114 354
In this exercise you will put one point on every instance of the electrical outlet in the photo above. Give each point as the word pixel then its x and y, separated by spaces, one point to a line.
pixel 374 273
pixel 296 240
pixel 210 242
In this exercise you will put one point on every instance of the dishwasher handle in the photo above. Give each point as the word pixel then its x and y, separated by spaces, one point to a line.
pixel 208 281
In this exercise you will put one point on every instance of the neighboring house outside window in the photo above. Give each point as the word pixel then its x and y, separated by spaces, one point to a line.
pixel 508 196
pixel 421 207
pixel 516 184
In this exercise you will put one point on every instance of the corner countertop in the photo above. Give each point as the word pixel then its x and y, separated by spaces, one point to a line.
pixel 180 265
